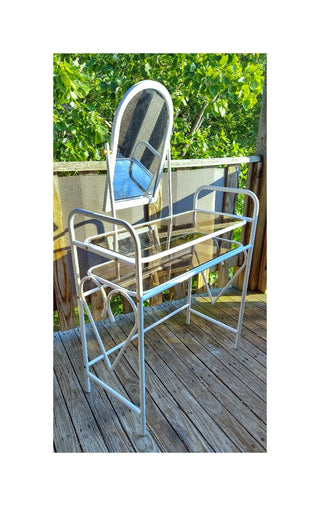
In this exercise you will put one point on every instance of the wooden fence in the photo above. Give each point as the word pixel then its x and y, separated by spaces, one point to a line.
pixel 64 296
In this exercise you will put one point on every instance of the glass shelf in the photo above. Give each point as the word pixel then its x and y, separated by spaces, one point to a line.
pixel 170 247
pixel 160 237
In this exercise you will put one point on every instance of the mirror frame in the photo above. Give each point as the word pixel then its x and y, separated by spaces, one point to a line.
pixel 110 204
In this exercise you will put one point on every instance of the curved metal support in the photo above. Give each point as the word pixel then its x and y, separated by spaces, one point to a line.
pixel 107 308
pixel 225 189
pixel 83 299
pixel 134 328
pixel 245 253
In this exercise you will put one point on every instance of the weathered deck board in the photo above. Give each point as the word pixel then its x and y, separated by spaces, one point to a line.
pixel 65 440
pixel 119 436
pixel 217 380
pixel 214 401
pixel 202 395
pixel 82 417
pixel 161 396
pixel 200 435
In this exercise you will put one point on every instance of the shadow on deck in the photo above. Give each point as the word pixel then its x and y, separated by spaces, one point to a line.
pixel 202 395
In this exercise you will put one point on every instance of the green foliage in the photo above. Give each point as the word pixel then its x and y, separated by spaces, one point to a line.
pixel 216 100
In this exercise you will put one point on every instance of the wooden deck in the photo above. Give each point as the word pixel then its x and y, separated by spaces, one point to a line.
pixel 202 394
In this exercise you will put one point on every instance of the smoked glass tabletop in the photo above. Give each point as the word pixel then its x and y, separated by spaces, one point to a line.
pixel 159 237
pixel 160 273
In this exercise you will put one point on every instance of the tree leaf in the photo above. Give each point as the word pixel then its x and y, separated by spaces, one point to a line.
pixel 224 60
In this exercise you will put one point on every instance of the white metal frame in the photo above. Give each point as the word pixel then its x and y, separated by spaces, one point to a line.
pixel 137 297
pixel 139 330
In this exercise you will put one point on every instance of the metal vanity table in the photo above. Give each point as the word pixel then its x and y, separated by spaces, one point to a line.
pixel 140 261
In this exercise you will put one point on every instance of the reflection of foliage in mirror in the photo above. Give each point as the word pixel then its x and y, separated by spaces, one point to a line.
pixel 216 100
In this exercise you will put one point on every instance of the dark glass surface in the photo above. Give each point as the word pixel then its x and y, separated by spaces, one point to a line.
pixel 160 236
pixel 158 272
pixel 170 247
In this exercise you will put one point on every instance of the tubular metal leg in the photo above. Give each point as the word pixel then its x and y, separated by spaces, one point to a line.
pixel 84 346
pixel 189 301
pixel 141 369
pixel 243 298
